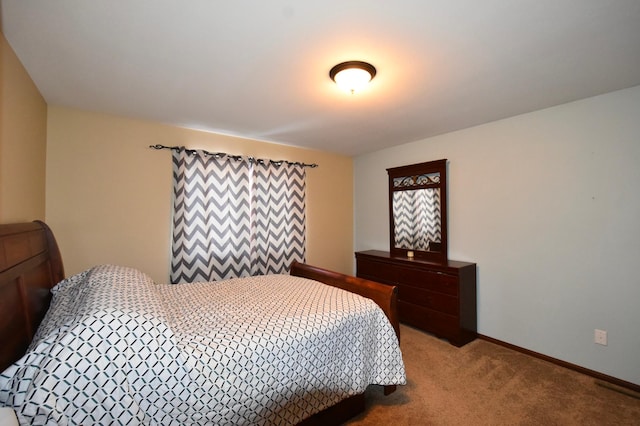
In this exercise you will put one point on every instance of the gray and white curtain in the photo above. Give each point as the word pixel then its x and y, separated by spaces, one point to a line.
pixel 235 217
pixel 416 216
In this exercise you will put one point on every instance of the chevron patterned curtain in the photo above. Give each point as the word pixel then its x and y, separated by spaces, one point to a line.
pixel 234 217
pixel 417 218
pixel 279 219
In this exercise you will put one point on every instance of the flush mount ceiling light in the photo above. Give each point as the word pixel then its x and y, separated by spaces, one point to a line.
pixel 352 76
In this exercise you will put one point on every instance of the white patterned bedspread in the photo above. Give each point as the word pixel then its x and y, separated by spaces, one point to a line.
pixel 117 348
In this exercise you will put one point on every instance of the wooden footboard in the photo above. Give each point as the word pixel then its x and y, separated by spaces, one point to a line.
pixel 384 295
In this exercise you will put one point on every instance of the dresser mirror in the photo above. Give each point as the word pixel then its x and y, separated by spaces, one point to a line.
pixel 418 211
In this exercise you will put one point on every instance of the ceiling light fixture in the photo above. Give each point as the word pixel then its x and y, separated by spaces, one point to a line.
pixel 352 76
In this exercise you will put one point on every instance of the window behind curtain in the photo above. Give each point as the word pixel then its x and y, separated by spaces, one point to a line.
pixel 234 217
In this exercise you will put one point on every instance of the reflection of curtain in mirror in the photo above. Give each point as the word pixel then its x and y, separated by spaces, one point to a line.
pixel 416 216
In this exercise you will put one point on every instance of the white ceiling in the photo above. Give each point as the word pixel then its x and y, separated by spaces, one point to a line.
pixel 259 69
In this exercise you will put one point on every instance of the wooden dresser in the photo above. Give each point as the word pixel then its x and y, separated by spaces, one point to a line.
pixel 437 298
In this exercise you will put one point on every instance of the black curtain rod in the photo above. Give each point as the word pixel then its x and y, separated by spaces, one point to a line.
pixel 235 157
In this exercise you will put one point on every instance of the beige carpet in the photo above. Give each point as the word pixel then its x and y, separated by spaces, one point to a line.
pixel 486 384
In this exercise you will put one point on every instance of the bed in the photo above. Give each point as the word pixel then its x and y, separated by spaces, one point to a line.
pixel 163 362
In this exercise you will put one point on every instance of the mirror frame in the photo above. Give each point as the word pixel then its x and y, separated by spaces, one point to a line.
pixel 438 166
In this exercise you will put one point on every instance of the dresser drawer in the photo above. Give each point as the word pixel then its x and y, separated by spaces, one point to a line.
pixel 440 324
pixel 377 271
pixel 434 281
pixel 428 299
pixel 439 298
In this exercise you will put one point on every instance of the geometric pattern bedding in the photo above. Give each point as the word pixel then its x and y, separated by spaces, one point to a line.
pixel 117 348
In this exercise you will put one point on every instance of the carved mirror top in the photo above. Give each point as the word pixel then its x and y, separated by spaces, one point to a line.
pixel 418 211
pixel 416 182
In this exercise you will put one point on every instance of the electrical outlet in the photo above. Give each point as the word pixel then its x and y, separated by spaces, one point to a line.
pixel 600 337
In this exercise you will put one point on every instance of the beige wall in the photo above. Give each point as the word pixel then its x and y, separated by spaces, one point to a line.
pixel 109 194
pixel 23 126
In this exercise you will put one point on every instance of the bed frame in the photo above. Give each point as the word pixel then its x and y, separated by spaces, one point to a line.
pixel 385 296
pixel 31 264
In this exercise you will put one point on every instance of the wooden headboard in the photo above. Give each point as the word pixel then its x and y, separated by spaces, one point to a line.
pixel 30 265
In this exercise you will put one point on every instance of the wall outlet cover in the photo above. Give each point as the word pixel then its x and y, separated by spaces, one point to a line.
pixel 600 337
